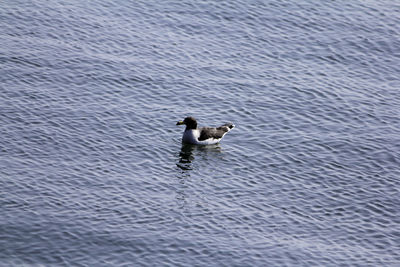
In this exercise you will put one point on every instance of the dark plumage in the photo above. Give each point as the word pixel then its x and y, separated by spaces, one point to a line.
pixel 216 133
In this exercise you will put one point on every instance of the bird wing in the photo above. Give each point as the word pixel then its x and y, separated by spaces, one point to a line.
pixel 215 133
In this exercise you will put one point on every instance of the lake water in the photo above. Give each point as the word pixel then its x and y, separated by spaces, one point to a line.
pixel 92 169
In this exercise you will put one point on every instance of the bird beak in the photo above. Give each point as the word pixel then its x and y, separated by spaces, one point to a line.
pixel 180 123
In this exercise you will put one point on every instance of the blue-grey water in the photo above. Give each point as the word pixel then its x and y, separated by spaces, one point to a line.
pixel 92 169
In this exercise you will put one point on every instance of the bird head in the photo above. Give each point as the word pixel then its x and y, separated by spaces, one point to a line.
pixel 190 123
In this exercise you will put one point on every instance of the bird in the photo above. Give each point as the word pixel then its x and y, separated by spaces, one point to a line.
pixel 203 135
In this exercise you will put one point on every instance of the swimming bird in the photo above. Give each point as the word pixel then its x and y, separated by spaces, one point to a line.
pixel 203 135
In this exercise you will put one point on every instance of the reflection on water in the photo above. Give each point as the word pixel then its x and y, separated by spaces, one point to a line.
pixel 186 165
pixel 186 156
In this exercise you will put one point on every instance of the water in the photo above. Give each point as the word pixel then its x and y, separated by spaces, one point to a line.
pixel 93 172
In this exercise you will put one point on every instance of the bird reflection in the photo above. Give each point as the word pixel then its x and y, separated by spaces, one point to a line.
pixel 186 157
pixel 185 165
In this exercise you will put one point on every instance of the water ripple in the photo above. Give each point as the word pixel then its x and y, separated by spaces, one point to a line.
pixel 93 169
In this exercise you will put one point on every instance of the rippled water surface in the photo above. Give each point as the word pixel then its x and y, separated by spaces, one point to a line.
pixel 93 171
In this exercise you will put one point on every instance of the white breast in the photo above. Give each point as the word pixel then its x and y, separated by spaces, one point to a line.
pixel 192 136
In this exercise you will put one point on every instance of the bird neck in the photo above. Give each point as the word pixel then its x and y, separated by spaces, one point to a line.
pixel 191 126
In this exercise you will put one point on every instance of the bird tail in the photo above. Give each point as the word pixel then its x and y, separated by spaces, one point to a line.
pixel 229 125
